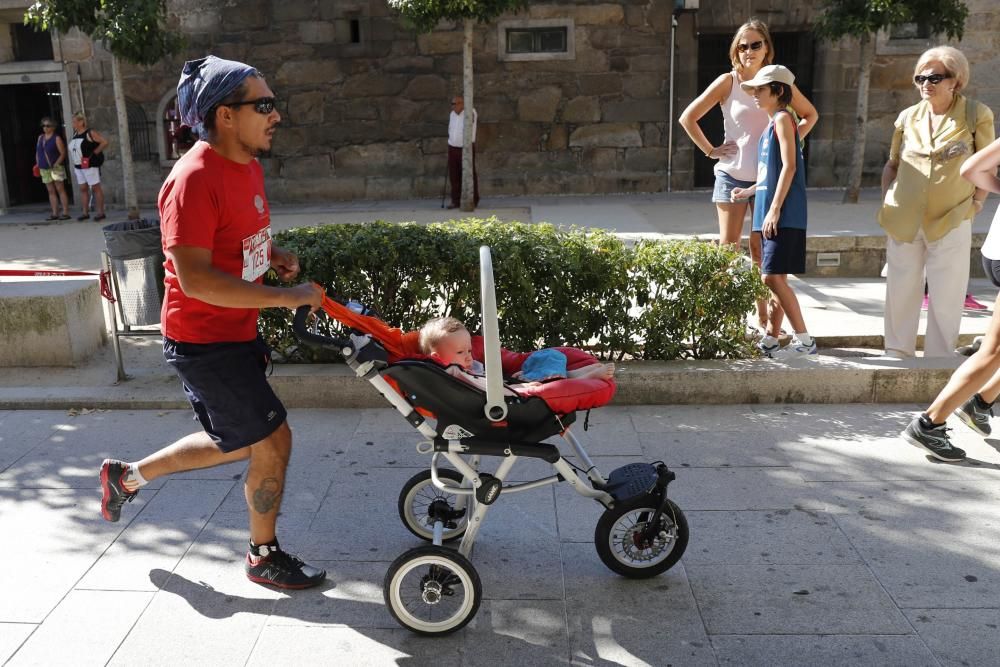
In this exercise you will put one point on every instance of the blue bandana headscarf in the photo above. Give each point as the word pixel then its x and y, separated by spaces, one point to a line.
pixel 206 82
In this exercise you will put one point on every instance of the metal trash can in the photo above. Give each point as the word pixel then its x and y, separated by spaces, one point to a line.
pixel 136 254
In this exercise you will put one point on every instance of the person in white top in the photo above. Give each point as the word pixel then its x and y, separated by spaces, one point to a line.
pixel 750 50
pixel 975 385
pixel 456 136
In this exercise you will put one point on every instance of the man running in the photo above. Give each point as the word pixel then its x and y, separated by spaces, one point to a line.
pixel 216 231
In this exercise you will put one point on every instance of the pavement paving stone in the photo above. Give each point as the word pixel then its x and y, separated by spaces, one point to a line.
pixel 55 536
pixel 959 636
pixel 826 650
pixel 772 537
pixel 158 536
pixel 945 562
pixel 191 622
pixel 748 598
pixel 20 432
pixel 364 647
pixel 709 449
pixel 85 629
pixel 12 636
pixel 696 418
pixel 614 620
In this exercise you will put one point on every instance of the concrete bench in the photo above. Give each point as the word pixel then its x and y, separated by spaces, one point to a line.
pixel 50 322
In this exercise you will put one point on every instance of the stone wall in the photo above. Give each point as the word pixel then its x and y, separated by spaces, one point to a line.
pixel 369 120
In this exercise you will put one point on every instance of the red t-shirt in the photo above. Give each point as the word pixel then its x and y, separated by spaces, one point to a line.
pixel 211 202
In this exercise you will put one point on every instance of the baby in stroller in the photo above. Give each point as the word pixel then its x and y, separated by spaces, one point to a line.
pixel 448 341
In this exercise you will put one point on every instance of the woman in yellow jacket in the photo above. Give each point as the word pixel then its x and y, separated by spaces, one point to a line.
pixel 928 207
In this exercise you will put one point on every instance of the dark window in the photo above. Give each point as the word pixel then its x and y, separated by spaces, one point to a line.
pixel 355 31
pixel 536 40
pixel 30 45
pixel 910 31
pixel 140 130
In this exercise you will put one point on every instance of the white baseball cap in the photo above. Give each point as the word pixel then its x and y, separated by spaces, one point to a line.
pixel 770 74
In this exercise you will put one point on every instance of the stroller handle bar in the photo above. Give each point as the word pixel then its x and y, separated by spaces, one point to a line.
pixel 302 331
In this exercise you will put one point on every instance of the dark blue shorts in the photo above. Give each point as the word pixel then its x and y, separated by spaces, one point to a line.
pixel 785 253
pixel 227 386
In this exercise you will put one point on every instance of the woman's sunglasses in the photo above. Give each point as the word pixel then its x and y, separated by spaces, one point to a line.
pixel 262 105
pixel 752 46
pixel 935 79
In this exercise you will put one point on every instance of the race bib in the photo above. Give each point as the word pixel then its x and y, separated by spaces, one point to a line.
pixel 257 254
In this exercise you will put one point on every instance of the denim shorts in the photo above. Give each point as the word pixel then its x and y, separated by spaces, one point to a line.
pixel 227 386
pixel 724 184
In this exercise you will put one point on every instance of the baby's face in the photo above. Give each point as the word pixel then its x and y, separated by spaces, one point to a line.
pixel 456 349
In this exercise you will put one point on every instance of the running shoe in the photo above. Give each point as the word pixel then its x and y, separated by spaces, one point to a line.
pixel 933 440
pixel 280 569
pixel 114 494
pixel 768 345
pixel 796 348
pixel 975 417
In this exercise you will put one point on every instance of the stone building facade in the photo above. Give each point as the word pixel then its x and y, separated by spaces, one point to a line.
pixel 364 99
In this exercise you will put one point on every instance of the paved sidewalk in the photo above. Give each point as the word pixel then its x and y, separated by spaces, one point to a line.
pixel 817 537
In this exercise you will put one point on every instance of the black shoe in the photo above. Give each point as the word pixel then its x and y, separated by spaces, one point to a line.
pixel 112 476
pixel 277 568
pixel 976 418
pixel 934 440
pixel 83 217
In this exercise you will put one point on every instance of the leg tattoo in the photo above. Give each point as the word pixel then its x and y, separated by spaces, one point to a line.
pixel 266 497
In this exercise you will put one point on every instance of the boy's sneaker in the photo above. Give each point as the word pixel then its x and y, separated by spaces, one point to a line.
pixel 115 495
pixel 280 569
pixel 768 345
pixel 975 417
pixel 796 349
pixel 934 440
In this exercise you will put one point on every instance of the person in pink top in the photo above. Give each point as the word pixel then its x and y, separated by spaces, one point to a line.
pixel 744 123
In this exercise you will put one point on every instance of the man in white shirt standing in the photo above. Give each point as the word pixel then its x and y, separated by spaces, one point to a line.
pixel 456 136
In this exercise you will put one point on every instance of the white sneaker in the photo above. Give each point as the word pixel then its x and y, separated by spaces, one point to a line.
pixel 768 346
pixel 795 349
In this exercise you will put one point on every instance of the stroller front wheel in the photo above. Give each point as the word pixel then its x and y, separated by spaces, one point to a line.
pixel 415 501
pixel 432 590
pixel 622 542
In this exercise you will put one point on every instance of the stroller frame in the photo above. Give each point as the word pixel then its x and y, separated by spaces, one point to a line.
pixel 641 533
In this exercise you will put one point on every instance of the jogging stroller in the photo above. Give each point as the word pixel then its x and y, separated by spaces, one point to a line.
pixel 433 589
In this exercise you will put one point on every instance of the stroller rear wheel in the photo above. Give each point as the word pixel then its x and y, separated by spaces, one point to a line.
pixel 628 548
pixel 415 501
pixel 432 590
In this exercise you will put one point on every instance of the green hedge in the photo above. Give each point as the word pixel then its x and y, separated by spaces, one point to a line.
pixel 583 288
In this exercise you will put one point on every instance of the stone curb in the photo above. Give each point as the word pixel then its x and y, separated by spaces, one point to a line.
pixel 819 379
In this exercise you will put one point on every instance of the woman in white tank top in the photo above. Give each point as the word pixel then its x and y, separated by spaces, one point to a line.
pixel 750 50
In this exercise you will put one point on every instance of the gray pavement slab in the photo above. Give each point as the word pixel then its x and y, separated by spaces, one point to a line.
pixel 889 559
pixel 826 650
pixel 793 599
pixel 959 636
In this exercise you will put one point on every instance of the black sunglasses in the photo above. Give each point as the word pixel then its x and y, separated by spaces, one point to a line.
pixel 47 125
pixel 262 105
pixel 752 46
pixel 931 78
